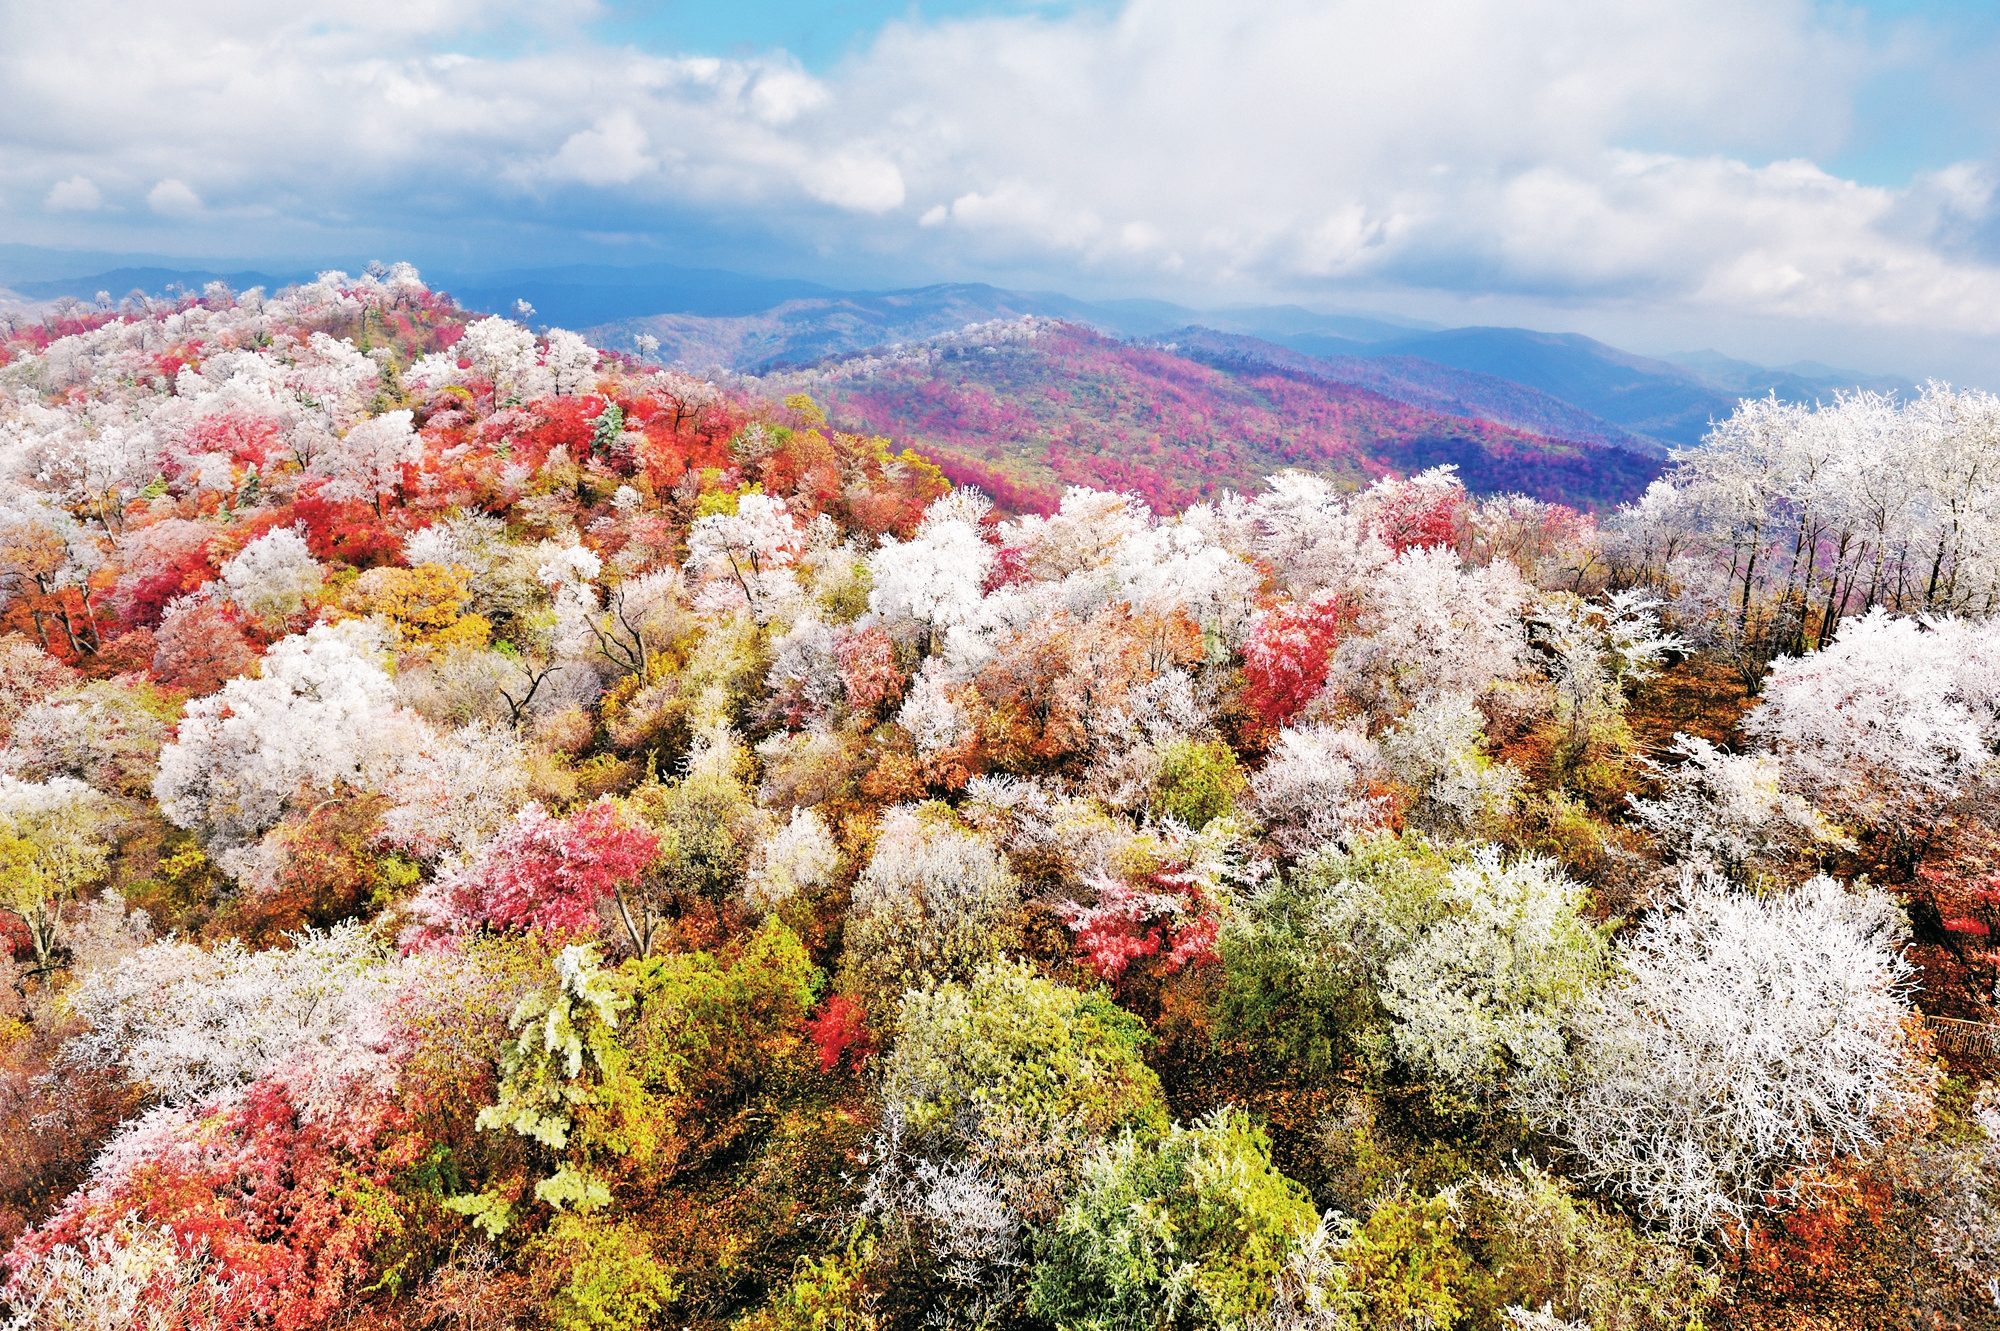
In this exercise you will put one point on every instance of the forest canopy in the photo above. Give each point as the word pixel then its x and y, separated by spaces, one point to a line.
pixel 496 833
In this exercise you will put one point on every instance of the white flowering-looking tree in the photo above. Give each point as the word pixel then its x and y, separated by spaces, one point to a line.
pixel 746 556
pixel 1744 1043
pixel 367 462
pixel 322 716
pixel 273 576
pixel 1891 723
pixel 1319 787
pixel 934 580
pixel 934 902
pixel 569 361
pixel 188 1022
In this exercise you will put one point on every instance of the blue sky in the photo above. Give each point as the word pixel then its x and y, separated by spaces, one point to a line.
pixel 1780 179
pixel 819 35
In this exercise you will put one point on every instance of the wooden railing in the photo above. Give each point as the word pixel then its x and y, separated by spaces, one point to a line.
pixel 1965 1037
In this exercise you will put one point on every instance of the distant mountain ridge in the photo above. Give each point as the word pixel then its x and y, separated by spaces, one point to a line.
pixel 1668 401
pixel 1422 383
pixel 1025 409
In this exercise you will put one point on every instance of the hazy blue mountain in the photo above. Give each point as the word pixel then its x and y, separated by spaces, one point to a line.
pixel 1637 393
pixel 1421 383
pixel 121 282
pixel 1801 381
pixel 581 295
pixel 1672 400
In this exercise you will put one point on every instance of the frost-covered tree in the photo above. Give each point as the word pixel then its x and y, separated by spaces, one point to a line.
pixel 104 733
pixel 1320 785
pixel 1593 649
pixel 1790 518
pixel 1743 1044
pixel 456 792
pixel 1435 750
pixel 800 857
pixel 1726 813
pixel 322 715
pixel 367 462
pixel 1480 996
pixel 273 576
pixel 189 1022
pixel 748 553
pixel 951 1221
pixel 1304 528
pixel 136 1275
pixel 1891 722
pixel 52 847
pixel 502 352
pixel 935 902
pixel 1430 628
pixel 569 362
pixel 932 581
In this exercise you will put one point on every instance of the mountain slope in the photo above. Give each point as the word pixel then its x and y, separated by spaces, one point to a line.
pixel 1421 383
pixel 1027 408
pixel 1804 381
pixel 1636 393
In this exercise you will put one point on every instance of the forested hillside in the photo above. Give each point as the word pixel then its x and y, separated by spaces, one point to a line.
pixel 495 835
pixel 1026 407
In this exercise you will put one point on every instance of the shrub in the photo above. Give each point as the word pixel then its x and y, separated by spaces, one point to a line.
pixel 1192 1229
pixel 599 1275
pixel 1020 1073
pixel 1199 781
pixel 933 904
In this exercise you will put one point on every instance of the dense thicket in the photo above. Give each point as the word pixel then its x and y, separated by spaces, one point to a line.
pixel 498 835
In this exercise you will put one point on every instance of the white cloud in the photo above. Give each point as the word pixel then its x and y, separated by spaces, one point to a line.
pixel 171 198
pixel 1611 152
pixel 860 181
pixel 613 152
pixel 77 194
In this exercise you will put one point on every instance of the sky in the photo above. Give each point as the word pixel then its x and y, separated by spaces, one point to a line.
pixel 1779 180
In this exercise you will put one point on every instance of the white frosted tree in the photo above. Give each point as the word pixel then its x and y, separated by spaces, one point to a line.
pixel 569 362
pixel 456 792
pixel 323 715
pixel 1319 786
pixel 1891 722
pixel 273 576
pixel 1430 628
pixel 1726 813
pixel 746 556
pixel 189 1022
pixel 800 857
pixel 934 902
pixel 1743 1043
pixel 502 352
pixel 367 462
pixel 1480 996
pixel 933 580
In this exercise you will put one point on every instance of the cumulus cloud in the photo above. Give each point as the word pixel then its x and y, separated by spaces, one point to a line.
pixel 77 194
pixel 612 152
pixel 172 198
pixel 1613 152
